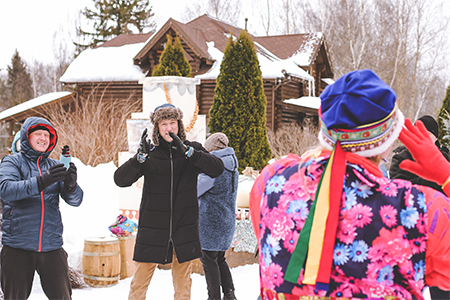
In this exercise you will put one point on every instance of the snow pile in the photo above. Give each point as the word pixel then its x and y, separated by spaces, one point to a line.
pixel 99 209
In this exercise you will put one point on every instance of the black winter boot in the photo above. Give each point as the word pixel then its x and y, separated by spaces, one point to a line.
pixel 229 295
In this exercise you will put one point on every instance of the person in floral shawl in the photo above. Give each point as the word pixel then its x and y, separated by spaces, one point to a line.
pixel 329 224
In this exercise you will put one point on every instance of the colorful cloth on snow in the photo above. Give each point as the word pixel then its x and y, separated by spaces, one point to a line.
pixel 380 243
pixel 123 226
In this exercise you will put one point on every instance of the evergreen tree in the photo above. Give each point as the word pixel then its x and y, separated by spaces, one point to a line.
pixel 239 107
pixel 114 17
pixel 444 120
pixel 4 94
pixel 172 61
pixel 19 81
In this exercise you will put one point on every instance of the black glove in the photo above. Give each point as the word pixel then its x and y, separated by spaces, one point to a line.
pixel 54 174
pixel 70 181
pixel 181 147
pixel 144 147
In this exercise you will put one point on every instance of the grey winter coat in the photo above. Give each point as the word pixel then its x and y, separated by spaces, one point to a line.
pixel 31 219
pixel 217 204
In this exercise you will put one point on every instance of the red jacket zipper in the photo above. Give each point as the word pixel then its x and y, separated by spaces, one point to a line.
pixel 43 210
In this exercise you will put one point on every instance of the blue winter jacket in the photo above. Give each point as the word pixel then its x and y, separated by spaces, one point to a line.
pixel 217 204
pixel 31 219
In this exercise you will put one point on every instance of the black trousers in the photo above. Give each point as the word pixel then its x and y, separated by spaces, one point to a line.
pixel 438 294
pixel 17 272
pixel 217 273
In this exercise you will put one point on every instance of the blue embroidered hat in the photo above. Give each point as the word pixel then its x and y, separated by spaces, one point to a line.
pixel 360 111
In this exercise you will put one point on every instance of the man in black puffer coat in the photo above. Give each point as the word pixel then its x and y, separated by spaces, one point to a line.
pixel 168 214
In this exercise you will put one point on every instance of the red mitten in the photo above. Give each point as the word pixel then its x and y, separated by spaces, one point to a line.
pixel 429 162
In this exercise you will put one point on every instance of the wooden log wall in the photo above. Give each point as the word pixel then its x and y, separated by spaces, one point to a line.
pixel 113 90
pixel 283 113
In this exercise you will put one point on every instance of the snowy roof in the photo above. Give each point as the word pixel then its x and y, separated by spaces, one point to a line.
pixel 328 81
pixel 105 64
pixel 47 98
pixel 118 59
pixel 309 102
pixel 301 47
pixel 271 67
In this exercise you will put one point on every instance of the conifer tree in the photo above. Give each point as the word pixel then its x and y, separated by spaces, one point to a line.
pixel 114 17
pixel 172 61
pixel 444 120
pixel 239 107
pixel 19 81
pixel 4 95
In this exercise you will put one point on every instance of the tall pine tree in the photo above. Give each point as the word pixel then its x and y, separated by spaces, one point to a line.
pixel 239 107
pixel 114 17
pixel 172 61
pixel 444 120
pixel 4 94
pixel 19 81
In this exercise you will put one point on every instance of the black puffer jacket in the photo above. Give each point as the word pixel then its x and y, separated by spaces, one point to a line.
pixel 395 172
pixel 168 214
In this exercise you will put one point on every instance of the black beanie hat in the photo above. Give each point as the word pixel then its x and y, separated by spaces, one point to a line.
pixel 38 127
pixel 431 124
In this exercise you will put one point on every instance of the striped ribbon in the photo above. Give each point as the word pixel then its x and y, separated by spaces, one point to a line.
pixel 315 244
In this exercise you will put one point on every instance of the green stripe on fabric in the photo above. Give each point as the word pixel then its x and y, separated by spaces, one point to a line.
pixel 298 257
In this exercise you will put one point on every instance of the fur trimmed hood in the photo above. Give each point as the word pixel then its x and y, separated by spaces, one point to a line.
pixel 165 112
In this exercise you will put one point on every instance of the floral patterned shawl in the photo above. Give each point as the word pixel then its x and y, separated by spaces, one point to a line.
pixel 381 243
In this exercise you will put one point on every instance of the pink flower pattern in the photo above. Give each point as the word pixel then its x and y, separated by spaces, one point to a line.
pixel 388 189
pixel 388 215
pixel 390 243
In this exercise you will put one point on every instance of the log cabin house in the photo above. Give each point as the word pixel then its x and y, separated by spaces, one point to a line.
pixel 292 66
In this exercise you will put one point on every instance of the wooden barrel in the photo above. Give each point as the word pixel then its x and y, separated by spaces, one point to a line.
pixel 101 261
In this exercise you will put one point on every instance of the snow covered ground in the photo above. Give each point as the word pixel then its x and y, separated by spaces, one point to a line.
pixel 246 282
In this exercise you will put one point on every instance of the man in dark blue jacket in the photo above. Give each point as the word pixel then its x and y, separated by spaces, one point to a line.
pixel 30 186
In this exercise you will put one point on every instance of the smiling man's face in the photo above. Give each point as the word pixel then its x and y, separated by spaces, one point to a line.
pixel 166 126
pixel 39 140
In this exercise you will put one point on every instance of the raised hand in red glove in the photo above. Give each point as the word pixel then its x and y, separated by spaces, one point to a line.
pixel 429 162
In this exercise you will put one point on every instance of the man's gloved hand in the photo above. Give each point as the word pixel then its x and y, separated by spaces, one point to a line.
pixel 54 174
pixel 70 181
pixel 181 147
pixel 144 147
pixel 429 162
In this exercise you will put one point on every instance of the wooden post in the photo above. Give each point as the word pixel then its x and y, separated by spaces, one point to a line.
pixel 127 265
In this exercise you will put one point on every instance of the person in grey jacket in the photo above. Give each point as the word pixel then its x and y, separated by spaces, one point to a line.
pixel 217 207
pixel 31 184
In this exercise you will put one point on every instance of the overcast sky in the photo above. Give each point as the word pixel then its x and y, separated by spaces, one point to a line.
pixel 29 25
pixel 36 27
